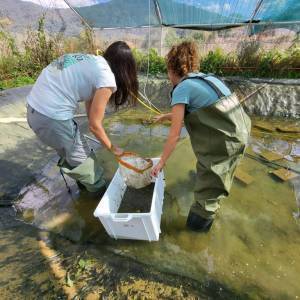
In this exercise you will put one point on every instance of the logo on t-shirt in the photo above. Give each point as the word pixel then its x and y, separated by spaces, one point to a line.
pixel 68 60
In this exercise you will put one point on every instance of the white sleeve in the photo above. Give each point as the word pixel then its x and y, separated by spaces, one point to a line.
pixel 104 77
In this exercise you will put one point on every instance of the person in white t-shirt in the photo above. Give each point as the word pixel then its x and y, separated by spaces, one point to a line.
pixel 54 98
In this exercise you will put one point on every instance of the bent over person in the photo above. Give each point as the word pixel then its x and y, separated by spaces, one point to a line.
pixel 54 98
pixel 218 127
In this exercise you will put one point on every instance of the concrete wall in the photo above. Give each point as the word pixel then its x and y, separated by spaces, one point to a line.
pixel 279 98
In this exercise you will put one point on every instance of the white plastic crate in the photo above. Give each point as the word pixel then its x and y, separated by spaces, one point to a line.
pixel 136 226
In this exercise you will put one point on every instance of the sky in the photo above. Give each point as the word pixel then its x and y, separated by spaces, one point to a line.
pixel 62 4
pixel 49 3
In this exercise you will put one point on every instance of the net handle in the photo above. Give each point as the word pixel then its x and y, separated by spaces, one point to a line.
pixel 131 167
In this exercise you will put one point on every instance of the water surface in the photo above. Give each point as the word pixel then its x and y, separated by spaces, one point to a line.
pixel 253 247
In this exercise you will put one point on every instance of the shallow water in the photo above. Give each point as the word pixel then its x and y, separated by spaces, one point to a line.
pixel 253 247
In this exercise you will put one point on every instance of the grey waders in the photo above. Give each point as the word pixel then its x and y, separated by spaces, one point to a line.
pixel 77 161
pixel 219 134
pixel 89 173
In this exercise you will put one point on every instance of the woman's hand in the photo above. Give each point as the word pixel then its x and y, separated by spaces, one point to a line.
pixel 157 168
pixel 162 118
pixel 117 151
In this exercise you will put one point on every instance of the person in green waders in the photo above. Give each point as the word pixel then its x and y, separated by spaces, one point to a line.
pixel 218 127
pixel 54 98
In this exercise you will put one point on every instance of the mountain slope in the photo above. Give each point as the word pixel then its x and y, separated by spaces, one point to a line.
pixel 25 14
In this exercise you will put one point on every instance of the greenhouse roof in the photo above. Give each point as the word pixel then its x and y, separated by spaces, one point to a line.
pixel 194 14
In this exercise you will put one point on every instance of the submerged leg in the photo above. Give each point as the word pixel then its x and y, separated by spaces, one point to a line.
pixel 212 185
pixel 86 169
pixel 89 173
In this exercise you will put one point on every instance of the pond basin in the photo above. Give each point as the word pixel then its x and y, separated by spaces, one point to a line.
pixel 253 247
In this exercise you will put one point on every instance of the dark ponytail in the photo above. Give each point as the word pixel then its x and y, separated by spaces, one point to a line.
pixel 123 65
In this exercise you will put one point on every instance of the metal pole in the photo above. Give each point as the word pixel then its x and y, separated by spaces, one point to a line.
pixel 258 5
pixel 161 40
pixel 81 18
pixel 92 139
pixel 67 186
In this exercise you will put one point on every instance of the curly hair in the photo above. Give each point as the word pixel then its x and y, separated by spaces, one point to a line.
pixel 183 59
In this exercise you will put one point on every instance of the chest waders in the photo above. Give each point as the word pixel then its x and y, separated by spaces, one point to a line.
pixel 219 134
pixel 89 173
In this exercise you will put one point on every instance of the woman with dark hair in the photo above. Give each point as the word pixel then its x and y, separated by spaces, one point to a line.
pixel 54 98
pixel 218 128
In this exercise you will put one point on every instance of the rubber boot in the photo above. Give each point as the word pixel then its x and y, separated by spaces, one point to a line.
pixel 81 186
pixel 97 195
pixel 197 223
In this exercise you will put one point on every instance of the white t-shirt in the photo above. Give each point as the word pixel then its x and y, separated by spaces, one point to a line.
pixel 66 81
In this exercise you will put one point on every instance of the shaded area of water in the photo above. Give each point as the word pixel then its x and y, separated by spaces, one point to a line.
pixel 36 264
pixel 252 249
pixel 23 269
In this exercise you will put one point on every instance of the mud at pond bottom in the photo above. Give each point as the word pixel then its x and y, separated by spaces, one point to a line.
pixel 41 265
pixel 137 200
